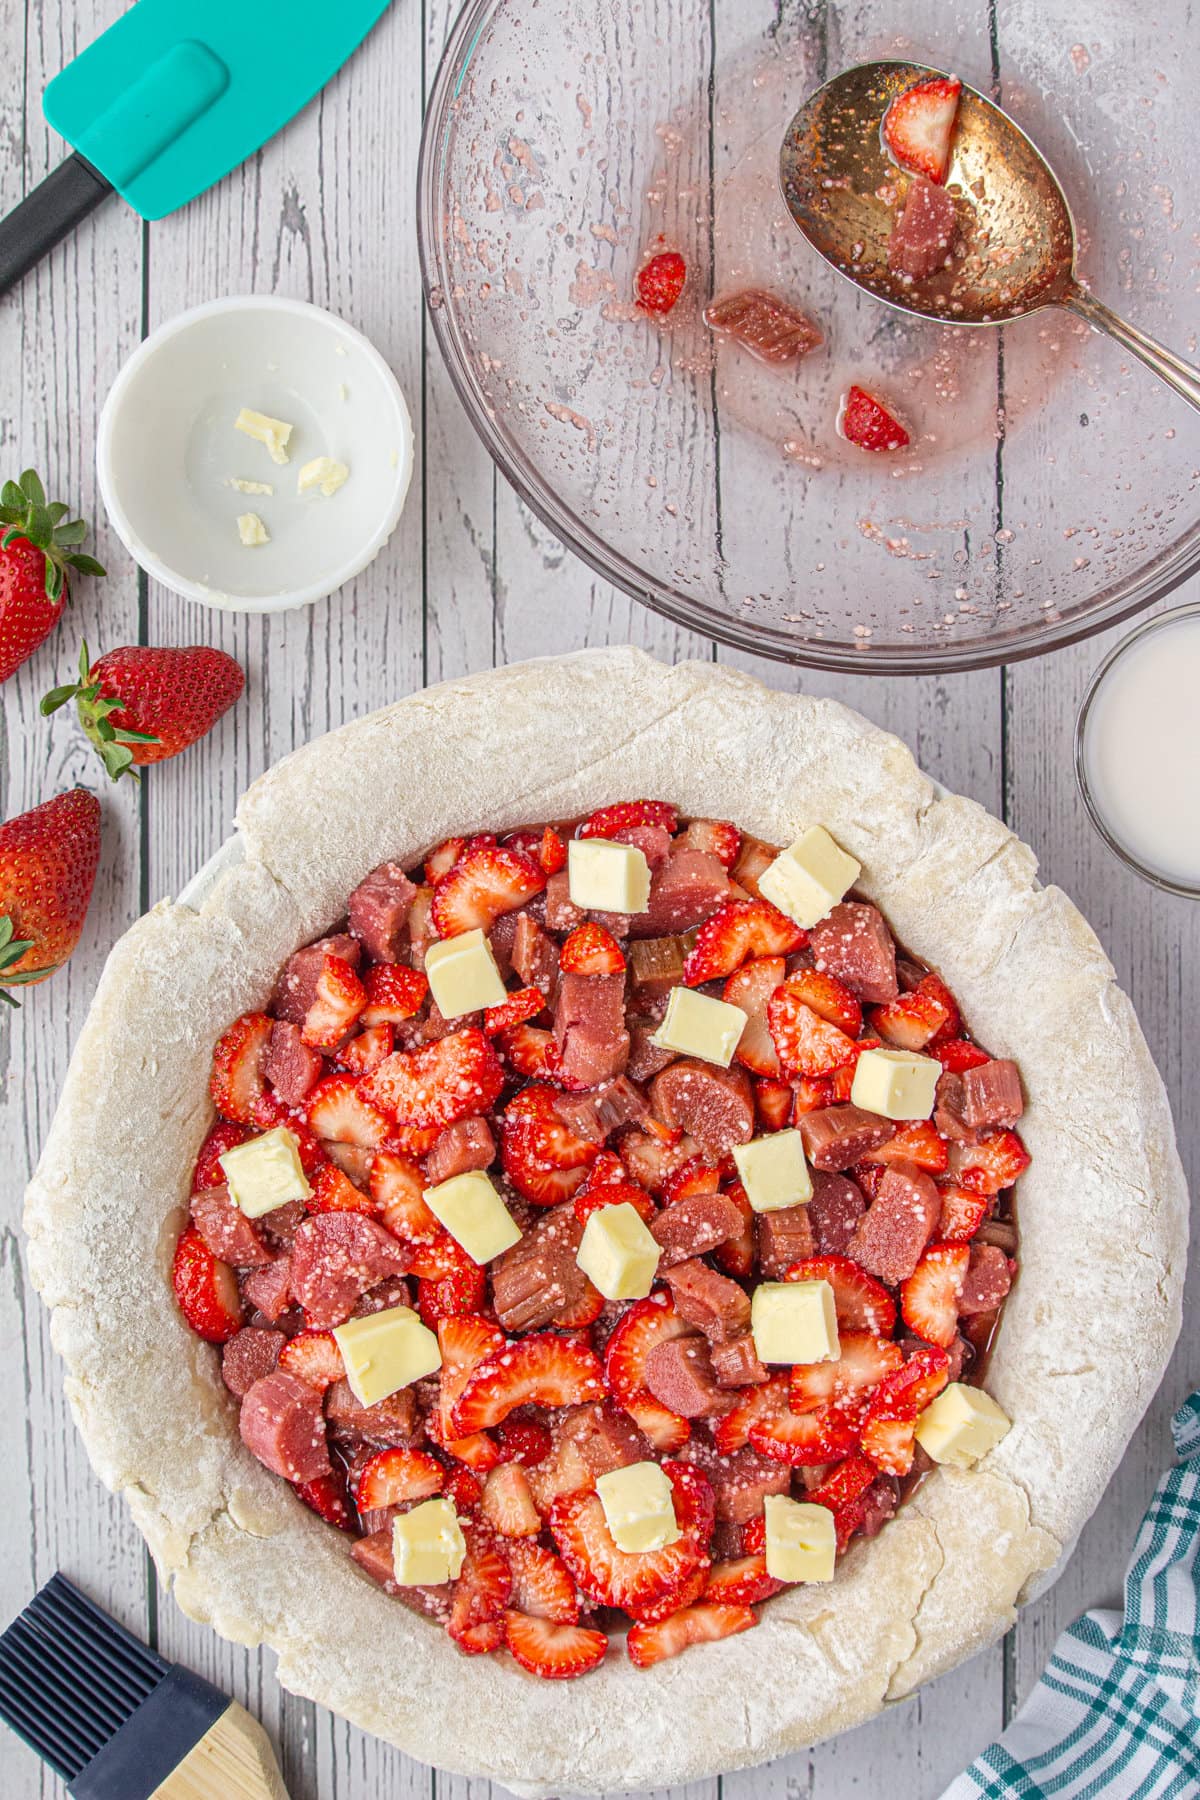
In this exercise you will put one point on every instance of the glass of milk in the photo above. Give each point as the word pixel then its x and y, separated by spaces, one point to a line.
pixel 1137 750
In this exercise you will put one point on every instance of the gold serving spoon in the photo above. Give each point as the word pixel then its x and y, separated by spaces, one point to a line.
pixel 1015 251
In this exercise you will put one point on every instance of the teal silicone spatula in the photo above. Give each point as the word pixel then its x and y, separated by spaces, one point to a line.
pixel 171 98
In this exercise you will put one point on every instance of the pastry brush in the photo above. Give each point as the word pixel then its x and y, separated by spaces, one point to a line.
pixel 114 1720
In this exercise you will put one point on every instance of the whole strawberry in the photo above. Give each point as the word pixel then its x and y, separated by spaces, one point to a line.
pixel 140 705
pixel 48 862
pixel 38 546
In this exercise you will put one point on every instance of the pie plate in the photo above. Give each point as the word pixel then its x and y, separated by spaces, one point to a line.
pixel 1086 1333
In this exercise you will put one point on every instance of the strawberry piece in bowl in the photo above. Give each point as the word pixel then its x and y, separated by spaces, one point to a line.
pixel 918 126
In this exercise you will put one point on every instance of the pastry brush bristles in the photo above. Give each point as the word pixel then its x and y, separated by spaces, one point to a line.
pixel 70 1676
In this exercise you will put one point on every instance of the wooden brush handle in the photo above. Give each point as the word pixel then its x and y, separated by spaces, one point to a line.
pixel 232 1761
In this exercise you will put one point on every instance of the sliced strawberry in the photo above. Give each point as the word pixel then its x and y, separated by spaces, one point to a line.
pixel 314 1356
pixel 844 1492
pixel 439 862
pixel 750 988
pixel 692 1177
pixel 736 1255
pixel 866 422
pixel 929 1298
pixel 660 282
pixel 743 1582
pixel 333 1191
pixel 552 852
pixel 206 1289
pixel 522 1004
pixel 590 950
pixel 736 931
pixel 461 1486
pixel 413 1140
pixel 584 1312
pixel 477 1451
pixel 701 1624
pixel 590 1199
pixel 237 1069
pixel 806 1439
pixel 890 1444
pixel 913 1019
pixel 481 1593
pixel 396 1476
pixel 397 1189
pixel 455 1078
pixel 464 1342
pixel 918 126
pixel 327 1496
pixel 650 1583
pixel 863 1304
pixel 487 883
pixel 665 1429
pixel 806 1043
pixel 364 1052
pixel 555 1652
pixel 862 1363
pixel 462 1290
pixel 907 1393
pixel 540 1370
pixel 628 813
pixel 337 1003
pixel 754 1536
pixel 543 1158
pixel 524 1441
pixel 988 1167
pixel 394 994
pixel 962 1214
pixel 774 1101
pixel 337 1112
pixel 208 1173
pixel 754 1407
pixel 643 1326
pixel 869 1177
pixel 957 1055
pixel 444 1257
pixel 814 1093
pixel 532 1053
pixel 829 998
pixel 715 837
pixel 479 1640
pixel 919 1142
pixel 507 1503
pixel 541 1586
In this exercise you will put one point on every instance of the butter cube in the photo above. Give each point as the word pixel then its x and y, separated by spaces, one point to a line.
pixel 617 1253
pixel 807 880
pixel 474 1215
pixel 697 1025
pixel 265 1172
pixel 961 1425
pixel 428 1546
pixel 273 433
pixel 607 877
pixel 252 531
pixel 801 1540
pixel 898 1084
pixel 463 976
pixel 322 472
pixel 639 1506
pixel 773 1171
pixel 794 1322
pixel 386 1351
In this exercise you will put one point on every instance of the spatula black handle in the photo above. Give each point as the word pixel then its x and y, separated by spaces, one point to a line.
pixel 47 215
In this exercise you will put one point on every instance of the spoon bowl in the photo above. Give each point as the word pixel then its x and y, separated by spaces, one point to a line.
pixel 1014 250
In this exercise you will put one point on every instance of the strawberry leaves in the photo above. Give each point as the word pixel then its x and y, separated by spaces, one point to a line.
pixel 11 951
pixel 95 709
pixel 26 513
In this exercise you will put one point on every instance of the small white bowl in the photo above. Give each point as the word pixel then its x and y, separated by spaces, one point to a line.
pixel 168 453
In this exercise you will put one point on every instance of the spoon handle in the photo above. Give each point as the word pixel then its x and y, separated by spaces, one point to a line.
pixel 1181 376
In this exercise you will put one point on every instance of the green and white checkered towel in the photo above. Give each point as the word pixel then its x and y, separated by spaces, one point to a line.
pixel 1117 1711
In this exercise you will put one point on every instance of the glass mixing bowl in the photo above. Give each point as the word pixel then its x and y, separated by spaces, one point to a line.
pixel 1052 486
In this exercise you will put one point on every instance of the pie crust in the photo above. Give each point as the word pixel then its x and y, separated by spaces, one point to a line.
pixel 1086 1333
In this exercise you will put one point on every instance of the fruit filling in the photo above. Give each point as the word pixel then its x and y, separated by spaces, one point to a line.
pixel 604 1227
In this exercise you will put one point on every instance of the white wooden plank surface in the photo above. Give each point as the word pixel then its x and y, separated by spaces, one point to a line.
pixel 472 578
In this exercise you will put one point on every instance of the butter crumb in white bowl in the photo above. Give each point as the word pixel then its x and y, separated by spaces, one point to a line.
pixel 289 383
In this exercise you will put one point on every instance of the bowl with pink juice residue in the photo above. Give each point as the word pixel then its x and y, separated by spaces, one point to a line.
pixel 1050 486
